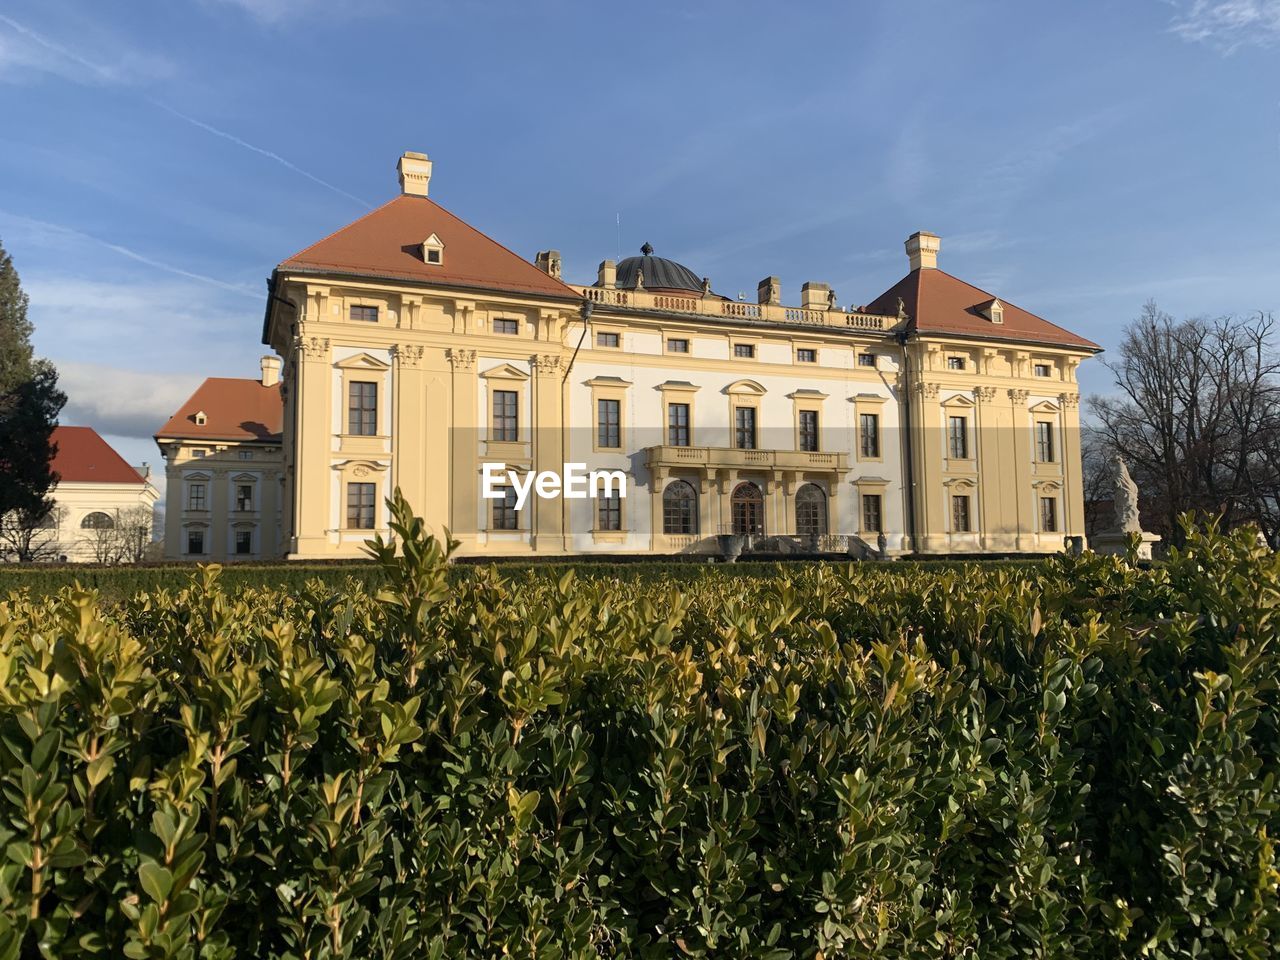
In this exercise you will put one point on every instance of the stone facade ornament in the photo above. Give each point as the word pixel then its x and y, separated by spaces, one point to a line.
pixel 547 363
pixel 927 390
pixel 311 347
pixel 1069 400
pixel 985 394
pixel 461 359
pixel 1019 396
pixel 409 354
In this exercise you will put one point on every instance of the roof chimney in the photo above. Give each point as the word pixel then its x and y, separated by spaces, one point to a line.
pixel 815 296
pixel 769 290
pixel 415 173
pixel 270 371
pixel 607 274
pixel 922 250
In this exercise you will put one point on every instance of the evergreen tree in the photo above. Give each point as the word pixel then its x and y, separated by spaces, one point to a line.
pixel 30 402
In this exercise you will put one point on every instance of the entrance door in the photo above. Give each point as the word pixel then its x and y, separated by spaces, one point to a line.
pixel 747 507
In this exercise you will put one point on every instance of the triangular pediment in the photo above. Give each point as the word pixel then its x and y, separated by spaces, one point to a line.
pixel 363 361
pixel 505 371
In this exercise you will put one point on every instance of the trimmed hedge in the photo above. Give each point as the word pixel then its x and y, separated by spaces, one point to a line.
pixel 1069 759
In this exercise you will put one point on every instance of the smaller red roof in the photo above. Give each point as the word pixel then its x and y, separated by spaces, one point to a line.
pixel 937 302
pixel 84 457
pixel 233 408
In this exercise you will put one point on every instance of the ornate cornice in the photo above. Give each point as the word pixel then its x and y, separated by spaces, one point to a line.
pixel 461 359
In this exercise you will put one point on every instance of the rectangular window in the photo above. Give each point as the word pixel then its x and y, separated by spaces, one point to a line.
pixel 609 511
pixel 360 506
pixel 744 350
pixel 195 540
pixel 506 326
pixel 506 421
pixel 362 408
pixel 806 355
pixel 244 542
pixel 245 454
pixel 809 430
pixel 869 435
pixel 866 359
pixel 677 345
pixel 363 314
pixel 871 513
pixel 505 516
pixel 608 340
pixel 960 514
pixel 199 452
pixel 244 497
pixel 196 497
pixel 678 424
pixel 608 424
pixel 955 363
pixel 1044 441
pixel 958 437
pixel 1043 370
pixel 1049 514
pixel 744 428
pixel 433 254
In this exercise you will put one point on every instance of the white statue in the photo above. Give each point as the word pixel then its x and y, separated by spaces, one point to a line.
pixel 1126 499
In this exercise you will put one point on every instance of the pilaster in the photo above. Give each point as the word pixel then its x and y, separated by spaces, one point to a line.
pixel 315 437
pixel 464 446
pixel 1024 517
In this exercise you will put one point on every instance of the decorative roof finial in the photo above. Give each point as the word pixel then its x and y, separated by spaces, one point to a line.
pixel 647 249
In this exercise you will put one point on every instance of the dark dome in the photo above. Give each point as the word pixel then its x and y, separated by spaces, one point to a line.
pixel 659 273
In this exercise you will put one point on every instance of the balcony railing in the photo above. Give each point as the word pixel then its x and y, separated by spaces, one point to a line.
pixel 732 458
pixel 736 309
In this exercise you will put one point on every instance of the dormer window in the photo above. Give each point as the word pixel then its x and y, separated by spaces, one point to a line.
pixel 993 310
pixel 433 250
pixel 200 418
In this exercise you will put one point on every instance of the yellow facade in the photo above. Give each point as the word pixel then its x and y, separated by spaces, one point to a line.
pixel 399 382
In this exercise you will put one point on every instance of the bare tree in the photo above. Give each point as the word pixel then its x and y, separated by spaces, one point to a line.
pixel 31 536
pixel 1197 418
pixel 119 537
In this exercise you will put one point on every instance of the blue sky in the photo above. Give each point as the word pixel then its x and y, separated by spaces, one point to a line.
pixel 157 159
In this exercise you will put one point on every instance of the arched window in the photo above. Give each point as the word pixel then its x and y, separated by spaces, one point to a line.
pixel 679 508
pixel 97 521
pixel 747 508
pixel 811 512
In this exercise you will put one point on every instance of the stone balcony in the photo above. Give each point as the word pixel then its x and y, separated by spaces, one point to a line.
pixel 710 459
pixel 736 309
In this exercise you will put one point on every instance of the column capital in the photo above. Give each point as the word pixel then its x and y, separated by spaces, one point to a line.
pixel 1069 400
pixel 927 389
pixel 1019 396
pixel 985 394
pixel 461 359
pixel 408 354
pixel 546 363
pixel 311 348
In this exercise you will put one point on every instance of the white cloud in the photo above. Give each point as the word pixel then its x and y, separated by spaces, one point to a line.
pixel 1228 24
pixel 123 403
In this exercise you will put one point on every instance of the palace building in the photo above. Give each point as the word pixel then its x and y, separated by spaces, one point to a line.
pixel 223 478
pixel 419 353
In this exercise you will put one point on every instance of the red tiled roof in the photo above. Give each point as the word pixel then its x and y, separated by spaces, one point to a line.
pixel 937 302
pixel 388 243
pixel 236 409
pixel 84 457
